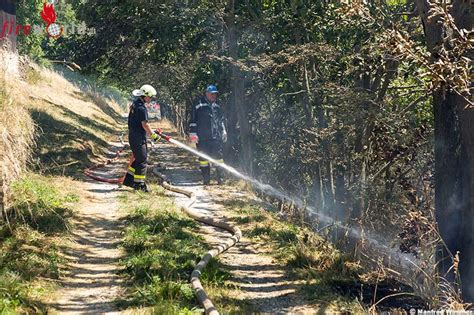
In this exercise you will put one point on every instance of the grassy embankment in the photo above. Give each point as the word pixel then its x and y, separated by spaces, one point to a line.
pixel 50 128
pixel 30 245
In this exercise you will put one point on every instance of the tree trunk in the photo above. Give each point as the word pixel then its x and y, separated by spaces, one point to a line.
pixel 463 13
pixel 466 265
pixel 358 204
pixel 239 103
pixel 340 182
pixel 454 160
pixel 232 147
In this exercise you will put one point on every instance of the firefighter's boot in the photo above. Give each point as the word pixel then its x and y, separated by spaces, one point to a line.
pixel 206 175
pixel 128 181
pixel 141 187
pixel 205 171
pixel 129 177
pixel 220 176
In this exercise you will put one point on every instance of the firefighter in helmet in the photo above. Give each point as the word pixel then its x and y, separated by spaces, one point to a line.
pixel 207 130
pixel 138 130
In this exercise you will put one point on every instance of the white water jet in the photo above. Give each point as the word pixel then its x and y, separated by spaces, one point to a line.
pixel 405 260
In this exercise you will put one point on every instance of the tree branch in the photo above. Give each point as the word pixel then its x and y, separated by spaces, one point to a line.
pixel 293 93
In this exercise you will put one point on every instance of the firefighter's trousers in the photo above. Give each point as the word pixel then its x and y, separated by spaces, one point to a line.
pixel 136 173
pixel 214 149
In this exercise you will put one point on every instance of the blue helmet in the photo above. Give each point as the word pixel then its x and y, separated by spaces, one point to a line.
pixel 211 89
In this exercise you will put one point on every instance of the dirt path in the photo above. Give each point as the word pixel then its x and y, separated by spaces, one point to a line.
pixel 91 284
pixel 262 281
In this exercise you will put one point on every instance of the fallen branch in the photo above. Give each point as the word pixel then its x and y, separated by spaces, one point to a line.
pixel 70 65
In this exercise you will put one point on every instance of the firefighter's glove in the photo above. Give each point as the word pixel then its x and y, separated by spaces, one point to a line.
pixel 224 136
pixel 155 136
pixel 193 137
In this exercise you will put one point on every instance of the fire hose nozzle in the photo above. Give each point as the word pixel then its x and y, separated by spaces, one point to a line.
pixel 166 137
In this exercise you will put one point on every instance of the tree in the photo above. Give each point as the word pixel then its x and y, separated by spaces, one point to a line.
pixel 239 104
pixel 454 142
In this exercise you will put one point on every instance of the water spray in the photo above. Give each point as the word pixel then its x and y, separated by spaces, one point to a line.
pixel 406 260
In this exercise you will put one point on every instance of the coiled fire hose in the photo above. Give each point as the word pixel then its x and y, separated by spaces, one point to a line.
pixel 215 251
pixel 89 172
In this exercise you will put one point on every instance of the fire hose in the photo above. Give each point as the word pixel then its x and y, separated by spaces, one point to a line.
pixel 89 172
pixel 218 249
pixel 215 251
pixel 196 284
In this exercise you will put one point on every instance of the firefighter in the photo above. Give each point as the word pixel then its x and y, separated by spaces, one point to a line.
pixel 207 130
pixel 138 129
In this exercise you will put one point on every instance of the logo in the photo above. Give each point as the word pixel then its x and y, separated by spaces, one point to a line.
pixel 49 17
pixel 10 28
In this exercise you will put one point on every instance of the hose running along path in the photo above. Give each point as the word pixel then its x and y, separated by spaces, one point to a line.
pixel 221 247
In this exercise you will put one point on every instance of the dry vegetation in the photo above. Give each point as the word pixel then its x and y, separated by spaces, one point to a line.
pixel 16 132
pixel 74 123
pixel 51 125
pixel 333 281
pixel 64 122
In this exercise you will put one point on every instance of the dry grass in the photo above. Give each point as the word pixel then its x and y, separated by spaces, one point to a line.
pixel 73 123
pixel 332 279
pixel 167 126
pixel 16 131
pixel 43 113
pixel 50 123
pixel 46 122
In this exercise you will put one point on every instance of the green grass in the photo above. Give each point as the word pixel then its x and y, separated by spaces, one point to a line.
pixel 40 205
pixel 162 248
pixel 13 292
pixel 30 245
pixel 33 76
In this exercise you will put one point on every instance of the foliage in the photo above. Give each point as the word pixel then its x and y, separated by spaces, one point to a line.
pixel 337 95
pixel 37 45
pixel 11 293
